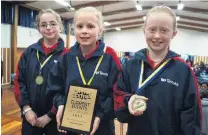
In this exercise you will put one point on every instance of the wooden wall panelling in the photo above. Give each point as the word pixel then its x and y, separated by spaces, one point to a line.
pixel 8 65
pixel 4 65
pixel 6 57
pixel 199 59
pixel 68 37
pixel 14 40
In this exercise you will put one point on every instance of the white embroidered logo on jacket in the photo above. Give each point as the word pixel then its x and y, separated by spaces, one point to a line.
pixel 169 81
pixel 101 73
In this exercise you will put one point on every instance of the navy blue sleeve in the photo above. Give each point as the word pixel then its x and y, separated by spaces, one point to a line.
pixel 121 96
pixel 106 111
pixel 57 80
pixel 20 91
pixel 191 113
pixel 56 89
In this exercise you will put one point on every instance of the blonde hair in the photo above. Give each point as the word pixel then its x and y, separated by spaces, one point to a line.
pixel 163 9
pixel 92 10
pixel 58 18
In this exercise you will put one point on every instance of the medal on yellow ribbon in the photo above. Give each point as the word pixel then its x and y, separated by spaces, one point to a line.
pixel 39 80
pixel 140 104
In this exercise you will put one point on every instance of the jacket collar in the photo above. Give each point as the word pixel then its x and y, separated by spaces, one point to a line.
pixel 38 45
pixel 141 54
pixel 76 51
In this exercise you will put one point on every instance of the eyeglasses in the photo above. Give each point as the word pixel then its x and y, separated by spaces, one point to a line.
pixel 45 26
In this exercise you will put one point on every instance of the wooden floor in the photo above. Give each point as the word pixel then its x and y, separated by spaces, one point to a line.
pixel 10 116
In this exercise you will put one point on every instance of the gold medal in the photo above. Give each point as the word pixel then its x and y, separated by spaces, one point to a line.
pixel 139 105
pixel 39 80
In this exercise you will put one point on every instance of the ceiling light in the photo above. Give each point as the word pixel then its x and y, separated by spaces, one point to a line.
pixel 177 18
pixel 144 18
pixel 180 6
pixel 62 2
pixel 138 7
pixel 107 24
pixel 72 9
pixel 118 29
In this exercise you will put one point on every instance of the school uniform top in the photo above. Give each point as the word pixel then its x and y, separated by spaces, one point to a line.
pixel 26 91
pixel 173 106
pixel 66 73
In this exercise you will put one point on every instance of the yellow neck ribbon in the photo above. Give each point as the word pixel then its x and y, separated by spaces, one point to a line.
pixel 141 84
pixel 45 61
pixel 96 68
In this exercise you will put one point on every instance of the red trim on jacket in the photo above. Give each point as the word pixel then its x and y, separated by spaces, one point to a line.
pixel 53 110
pixel 119 97
pixel 66 50
pixel 16 84
pixel 112 53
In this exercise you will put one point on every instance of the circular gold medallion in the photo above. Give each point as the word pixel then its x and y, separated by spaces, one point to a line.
pixel 139 105
pixel 39 80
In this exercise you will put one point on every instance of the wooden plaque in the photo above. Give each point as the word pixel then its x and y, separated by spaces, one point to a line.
pixel 79 109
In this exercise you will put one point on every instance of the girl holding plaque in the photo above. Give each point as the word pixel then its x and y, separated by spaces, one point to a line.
pixel 156 92
pixel 90 63
pixel 37 109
